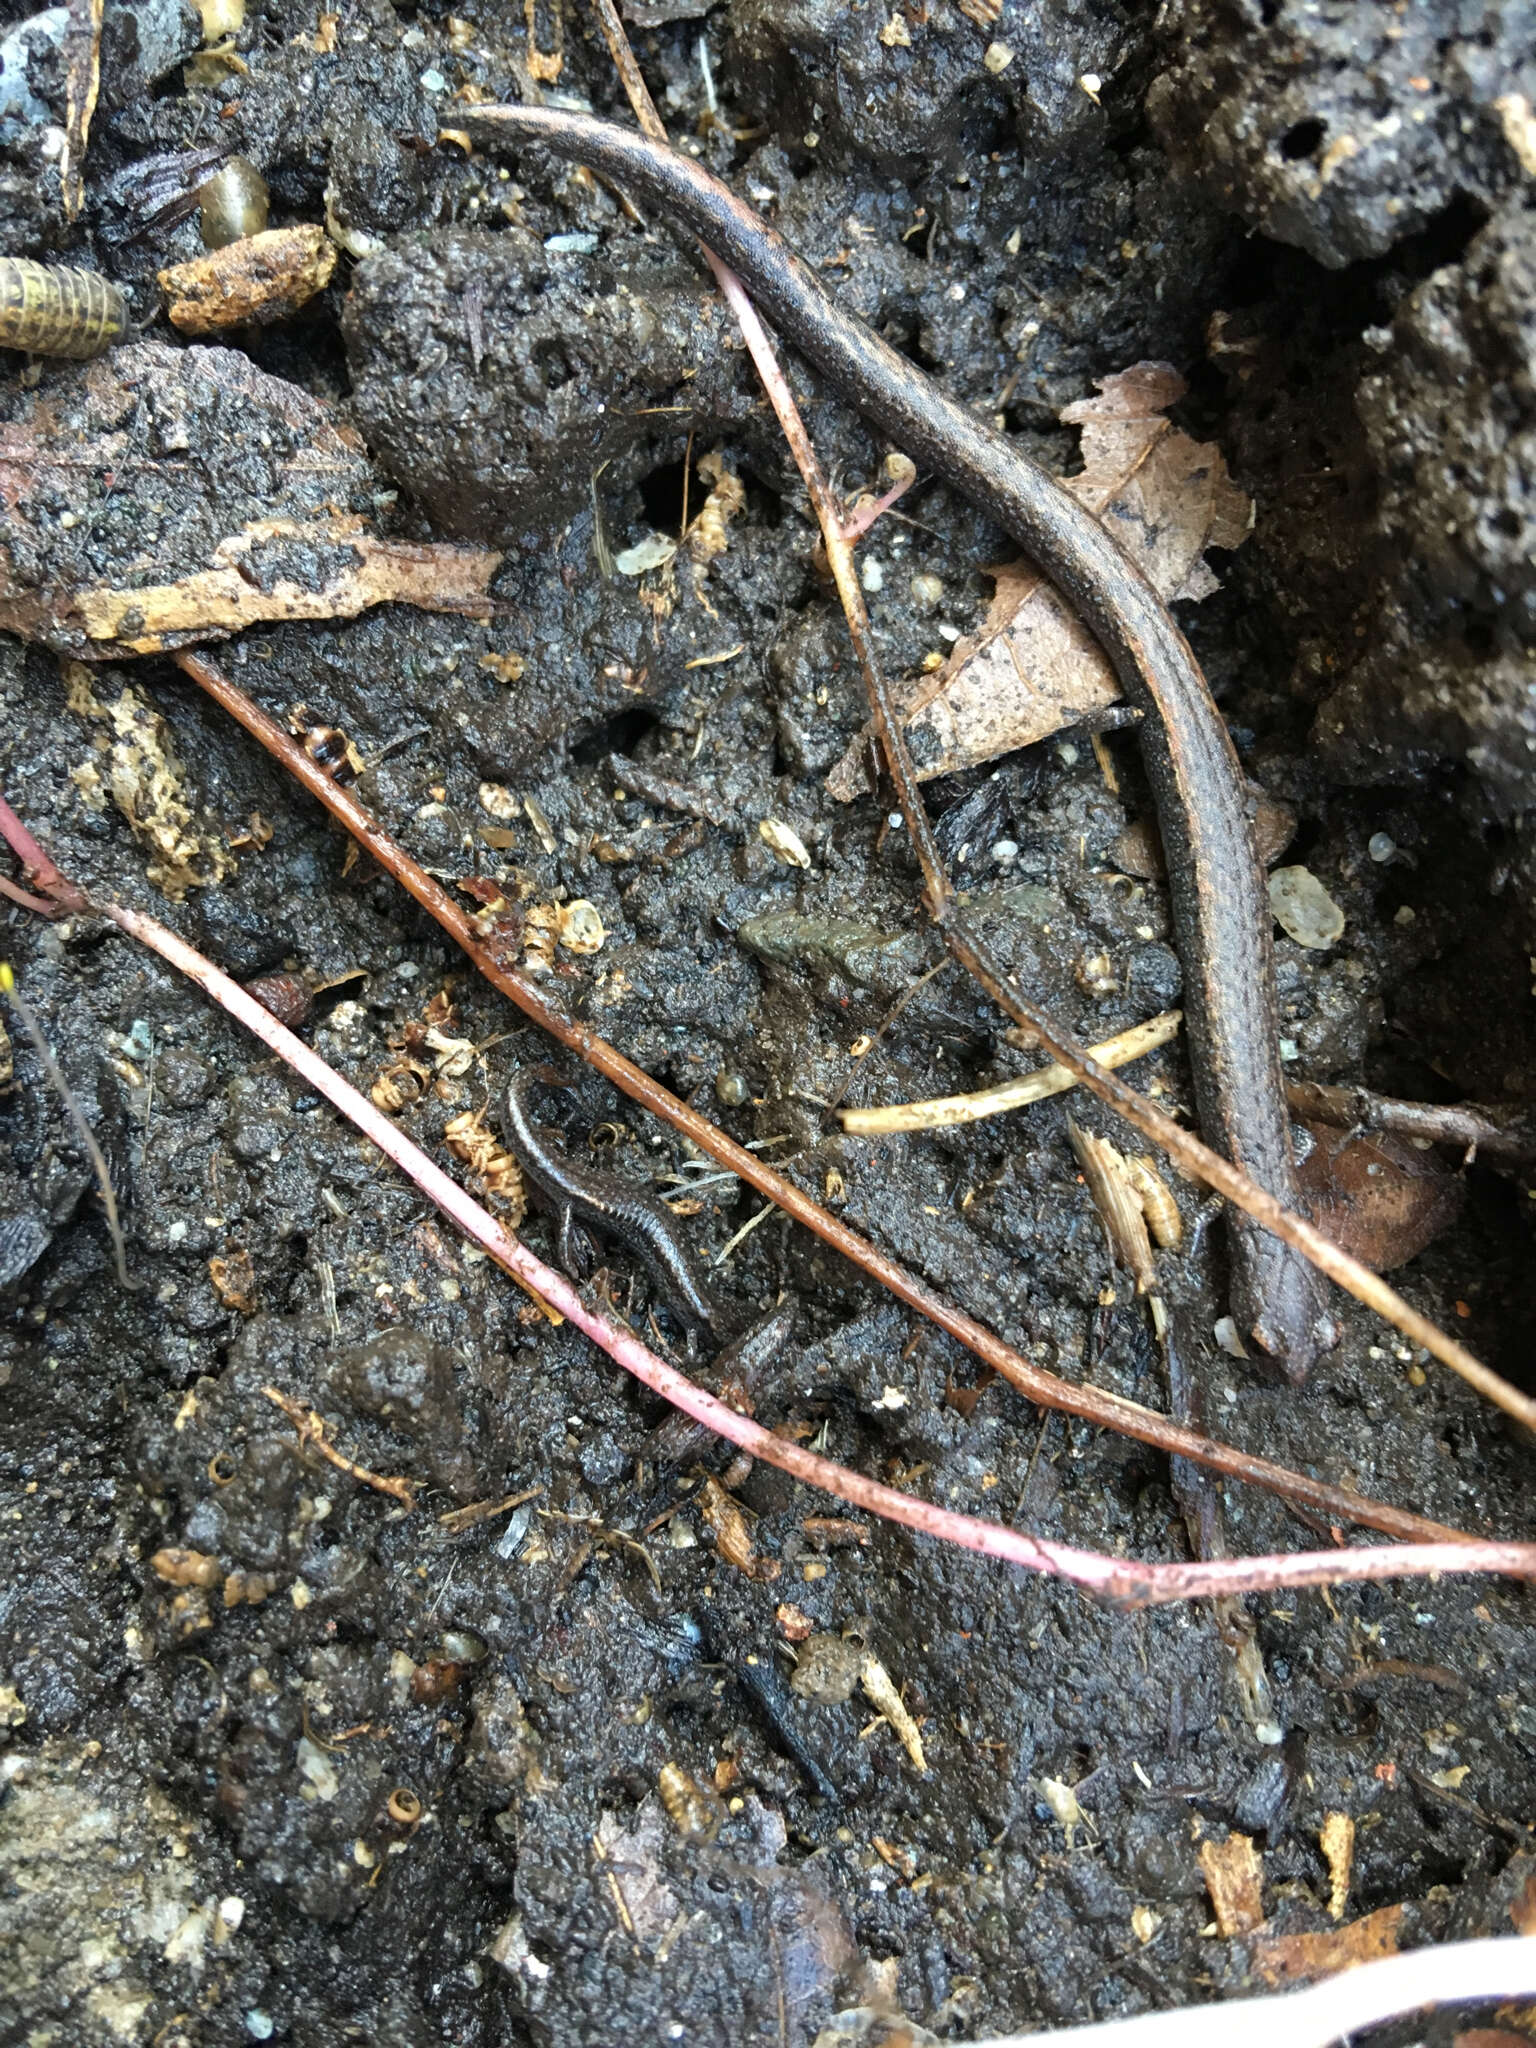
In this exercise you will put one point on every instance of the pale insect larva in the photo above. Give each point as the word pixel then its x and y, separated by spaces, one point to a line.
pixel 52 311
pixel 1157 1204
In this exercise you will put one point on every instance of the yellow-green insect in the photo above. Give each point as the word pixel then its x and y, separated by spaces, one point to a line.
pixel 53 311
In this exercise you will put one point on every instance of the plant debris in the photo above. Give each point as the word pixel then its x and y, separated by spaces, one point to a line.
pixel 139 769
pixel 271 516
pixel 1035 667
pixel 1234 1878
pixel 260 278
pixel 1282 1959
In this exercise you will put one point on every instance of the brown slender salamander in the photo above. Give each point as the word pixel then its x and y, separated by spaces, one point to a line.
pixel 583 1196
pixel 1216 884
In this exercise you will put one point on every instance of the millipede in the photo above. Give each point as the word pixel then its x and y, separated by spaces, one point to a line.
pixel 51 310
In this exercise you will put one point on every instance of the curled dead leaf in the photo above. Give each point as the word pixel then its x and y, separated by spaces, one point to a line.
pixel 1035 667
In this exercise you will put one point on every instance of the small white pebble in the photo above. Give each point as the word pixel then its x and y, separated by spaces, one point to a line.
pixel 872 574
pixel 996 57
pixel 1303 908
pixel 1381 846
pixel 1227 1338
pixel 927 590
pixel 1004 851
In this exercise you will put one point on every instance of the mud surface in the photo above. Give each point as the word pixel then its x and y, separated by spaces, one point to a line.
pixel 284 1761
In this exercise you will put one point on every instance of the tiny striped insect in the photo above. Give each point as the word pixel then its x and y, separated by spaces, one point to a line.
pixel 53 311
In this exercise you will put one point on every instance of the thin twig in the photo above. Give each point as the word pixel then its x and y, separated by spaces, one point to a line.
pixel 1442 1123
pixel 313 1429
pixel 1193 1157
pixel 1118 1580
pixel 77 1118
pixel 942 1111
pixel 1090 1404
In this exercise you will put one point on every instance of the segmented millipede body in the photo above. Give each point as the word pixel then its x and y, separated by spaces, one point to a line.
pixel 52 311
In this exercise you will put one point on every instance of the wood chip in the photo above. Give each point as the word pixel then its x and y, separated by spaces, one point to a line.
pixel 260 278
pixel 1234 1878
pixel 1337 1838
pixel 1282 1959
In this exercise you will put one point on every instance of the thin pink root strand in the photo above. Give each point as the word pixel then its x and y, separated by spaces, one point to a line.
pixel 1114 1579
pixel 858 522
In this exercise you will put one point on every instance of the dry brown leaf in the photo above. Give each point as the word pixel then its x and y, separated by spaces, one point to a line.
pixel 725 1515
pixel 1035 667
pixel 1234 1878
pixel 1303 1958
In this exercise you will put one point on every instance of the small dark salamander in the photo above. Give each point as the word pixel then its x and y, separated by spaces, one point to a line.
pixel 584 1197
pixel 1220 902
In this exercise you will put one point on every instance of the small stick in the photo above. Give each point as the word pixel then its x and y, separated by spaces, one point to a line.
pixel 1089 1404
pixel 76 1115
pixel 1125 1582
pixel 312 1427
pixel 940 1111
pixel 457 1520
pixel 1444 1123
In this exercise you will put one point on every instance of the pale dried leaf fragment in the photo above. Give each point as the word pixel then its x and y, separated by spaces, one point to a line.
pixel 726 1516
pixel 1035 667
pixel 708 534
pixel 1282 1959
pixel 245 584
pixel 784 843
pixel 1118 1201
pixel 880 1689
pixel 1336 1838
pixel 1234 1878
pixel 1066 1808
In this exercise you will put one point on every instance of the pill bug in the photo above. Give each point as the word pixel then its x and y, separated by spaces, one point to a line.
pixel 233 204
pixel 52 311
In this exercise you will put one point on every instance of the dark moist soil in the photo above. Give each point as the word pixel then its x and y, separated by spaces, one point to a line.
pixel 422 1770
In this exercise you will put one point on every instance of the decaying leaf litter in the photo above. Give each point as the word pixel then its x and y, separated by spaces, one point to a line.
pixel 835 976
